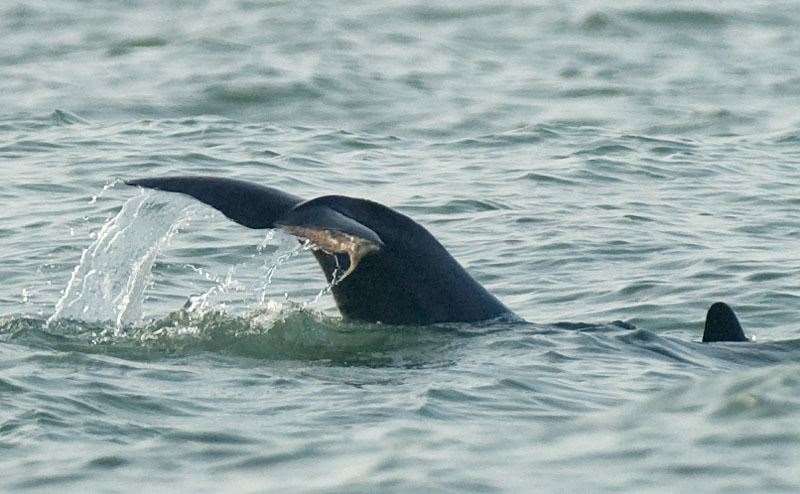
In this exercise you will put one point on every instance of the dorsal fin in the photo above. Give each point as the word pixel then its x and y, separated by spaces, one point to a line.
pixel 722 325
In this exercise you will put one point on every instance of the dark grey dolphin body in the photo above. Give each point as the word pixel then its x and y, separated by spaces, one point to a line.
pixel 389 268
pixel 722 325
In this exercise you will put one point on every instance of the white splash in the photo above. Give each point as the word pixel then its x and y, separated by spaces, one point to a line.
pixel 108 284
pixel 108 186
pixel 284 247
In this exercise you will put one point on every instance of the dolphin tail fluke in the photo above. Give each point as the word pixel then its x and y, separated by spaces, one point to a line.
pixel 722 324
pixel 248 204
pixel 382 266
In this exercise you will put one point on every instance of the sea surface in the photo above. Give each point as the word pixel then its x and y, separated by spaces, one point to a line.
pixel 608 169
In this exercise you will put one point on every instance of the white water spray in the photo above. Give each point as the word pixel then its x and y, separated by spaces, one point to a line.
pixel 108 284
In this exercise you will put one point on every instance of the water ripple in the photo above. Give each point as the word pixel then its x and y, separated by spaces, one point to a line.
pixel 594 163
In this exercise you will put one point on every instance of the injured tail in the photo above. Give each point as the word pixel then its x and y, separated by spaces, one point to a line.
pixel 722 325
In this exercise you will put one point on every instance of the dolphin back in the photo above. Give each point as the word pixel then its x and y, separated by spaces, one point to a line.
pixel 409 279
pixel 722 325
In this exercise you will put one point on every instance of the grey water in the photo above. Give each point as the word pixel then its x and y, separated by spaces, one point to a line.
pixel 608 169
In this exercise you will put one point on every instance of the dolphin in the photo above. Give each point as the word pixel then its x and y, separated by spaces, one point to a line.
pixel 383 266
pixel 722 325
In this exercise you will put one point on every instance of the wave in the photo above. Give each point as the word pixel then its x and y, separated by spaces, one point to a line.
pixel 276 331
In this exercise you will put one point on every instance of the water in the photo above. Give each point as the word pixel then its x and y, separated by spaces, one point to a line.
pixel 607 169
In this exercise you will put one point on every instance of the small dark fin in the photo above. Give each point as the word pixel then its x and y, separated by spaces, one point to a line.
pixel 722 325
pixel 248 204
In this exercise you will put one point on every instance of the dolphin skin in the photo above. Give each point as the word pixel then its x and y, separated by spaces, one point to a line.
pixel 384 266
